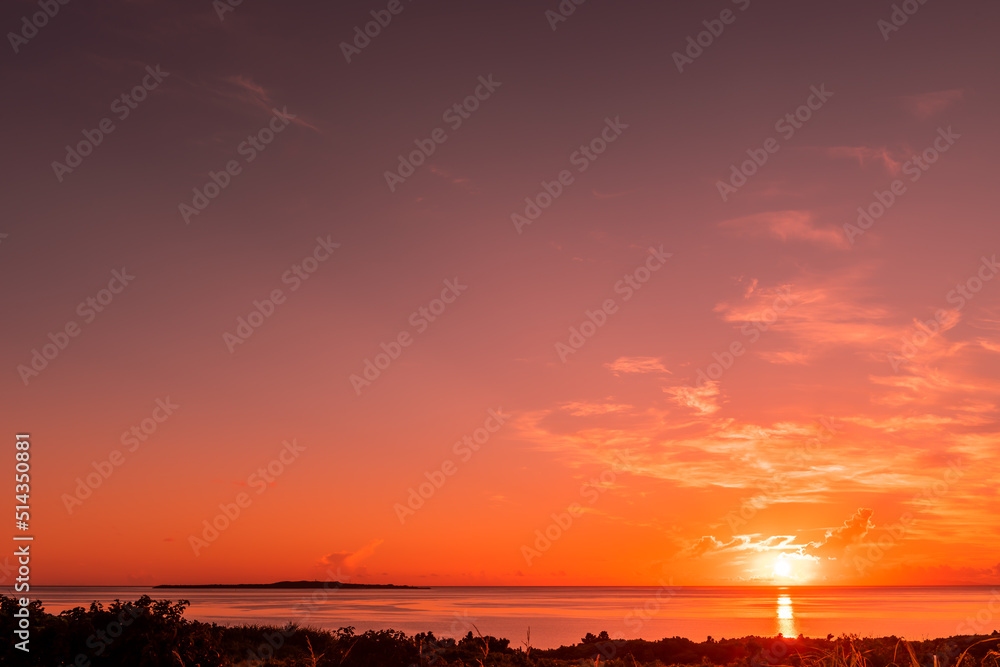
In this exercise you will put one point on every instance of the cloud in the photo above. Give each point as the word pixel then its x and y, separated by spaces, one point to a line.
pixel 350 561
pixel 586 408
pixel 464 183
pixel 246 91
pixel 703 398
pixel 853 531
pixel 766 446
pixel 838 308
pixel 865 154
pixel 788 226
pixel 927 105
pixel 906 574
pixel 709 544
pixel 636 365
pixel 254 92
pixel 785 357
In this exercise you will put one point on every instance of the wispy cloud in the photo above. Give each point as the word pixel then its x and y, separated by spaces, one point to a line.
pixel 927 105
pixel 709 544
pixel 865 155
pixel 703 399
pixel 246 91
pixel 464 183
pixel 636 365
pixel 350 561
pixel 792 225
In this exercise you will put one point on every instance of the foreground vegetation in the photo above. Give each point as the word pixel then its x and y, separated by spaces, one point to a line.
pixel 150 633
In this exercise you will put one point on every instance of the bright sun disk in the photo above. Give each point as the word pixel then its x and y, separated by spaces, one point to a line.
pixel 782 568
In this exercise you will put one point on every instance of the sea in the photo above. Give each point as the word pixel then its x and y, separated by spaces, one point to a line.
pixel 559 616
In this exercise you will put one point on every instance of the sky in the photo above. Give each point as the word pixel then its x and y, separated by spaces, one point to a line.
pixel 503 293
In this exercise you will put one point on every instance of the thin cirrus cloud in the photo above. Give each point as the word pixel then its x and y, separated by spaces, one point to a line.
pixel 866 155
pixel 704 399
pixel 818 311
pixel 246 91
pixel 785 357
pixel 928 105
pixel 791 225
pixel 636 365
pixel 448 176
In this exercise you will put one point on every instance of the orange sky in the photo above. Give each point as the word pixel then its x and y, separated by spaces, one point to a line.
pixel 664 371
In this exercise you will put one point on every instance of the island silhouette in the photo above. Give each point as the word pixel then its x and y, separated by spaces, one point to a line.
pixel 293 584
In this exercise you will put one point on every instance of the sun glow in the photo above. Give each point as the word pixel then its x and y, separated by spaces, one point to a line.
pixel 782 568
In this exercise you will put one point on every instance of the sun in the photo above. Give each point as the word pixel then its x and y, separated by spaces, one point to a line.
pixel 782 568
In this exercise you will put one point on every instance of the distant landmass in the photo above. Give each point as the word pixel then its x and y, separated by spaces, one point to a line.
pixel 292 584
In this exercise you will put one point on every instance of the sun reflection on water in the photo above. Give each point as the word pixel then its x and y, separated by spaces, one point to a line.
pixel 786 617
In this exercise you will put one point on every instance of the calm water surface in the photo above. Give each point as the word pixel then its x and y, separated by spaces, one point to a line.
pixel 562 615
